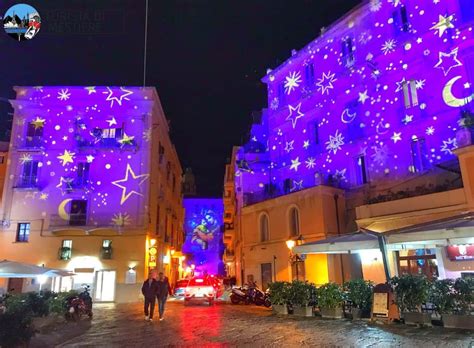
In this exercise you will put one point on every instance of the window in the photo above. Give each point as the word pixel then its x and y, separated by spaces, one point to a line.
pixel 108 136
pixel 29 175
pixel 316 133
pixel 281 94
pixel 400 20
pixel 23 232
pixel 309 74
pixel 361 171
pixel 467 10
pixel 82 174
pixel 106 243
pixel 78 213
pixel 34 135
pixel 294 216
pixel 348 57
pixel 419 156
pixel 410 94
pixel 65 252
pixel 264 230
pixel 287 185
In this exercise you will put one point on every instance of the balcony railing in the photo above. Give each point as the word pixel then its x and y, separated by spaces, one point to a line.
pixel 27 182
pixel 91 221
pixel 33 142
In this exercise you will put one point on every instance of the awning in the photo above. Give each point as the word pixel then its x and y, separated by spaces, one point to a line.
pixel 346 243
pixel 13 269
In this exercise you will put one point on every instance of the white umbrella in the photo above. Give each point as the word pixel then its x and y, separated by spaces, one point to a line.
pixel 13 269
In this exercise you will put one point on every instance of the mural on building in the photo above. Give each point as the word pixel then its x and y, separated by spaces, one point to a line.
pixel 80 160
pixel 381 95
pixel 203 227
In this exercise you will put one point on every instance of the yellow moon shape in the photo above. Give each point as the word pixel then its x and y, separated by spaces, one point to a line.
pixel 450 99
pixel 62 211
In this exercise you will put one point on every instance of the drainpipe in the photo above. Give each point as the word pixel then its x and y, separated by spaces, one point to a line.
pixel 274 268
pixel 336 197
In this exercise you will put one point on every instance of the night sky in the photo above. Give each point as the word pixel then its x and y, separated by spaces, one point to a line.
pixel 205 57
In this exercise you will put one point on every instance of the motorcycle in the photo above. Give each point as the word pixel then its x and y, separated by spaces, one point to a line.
pixel 239 295
pixel 259 297
pixel 79 305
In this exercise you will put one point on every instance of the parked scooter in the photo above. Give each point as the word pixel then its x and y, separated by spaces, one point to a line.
pixel 239 295
pixel 80 305
pixel 258 297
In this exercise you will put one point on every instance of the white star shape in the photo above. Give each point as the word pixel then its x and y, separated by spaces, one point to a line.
pixel 396 137
pixel 407 119
pixel 363 97
pixel 430 130
pixel 294 115
pixel 448 146
pixel 444 23
pixel 112 122
pixel 419 40
pixel 89 158
pixel 395 3
pixel 452 57
pixel 325 83
pixel 297 185
pixel 400 84
pixel 292 81
pixel 340 174
pixel 136 180
pixel 118 99
pixel 90 90
pixel 295 164
pixel 310 163
pixel 289 146
pixel 64 94
pixel 305 144
pixel 335 142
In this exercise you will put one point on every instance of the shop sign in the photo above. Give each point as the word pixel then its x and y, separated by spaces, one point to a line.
pixel 460 252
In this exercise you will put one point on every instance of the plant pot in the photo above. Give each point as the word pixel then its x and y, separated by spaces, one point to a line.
pixel 356 313
pixel 456 321
pixel 415 318
pixel 332 313
pixel 280 309
pixel 303 311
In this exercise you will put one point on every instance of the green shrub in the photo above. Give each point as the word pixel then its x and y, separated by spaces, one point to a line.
pixel 411 291
pixel 442 295
pixel 279 293
pixel 57 303
pixel 300 293
pixel 463 295
pixel 330 296
pixel 359 292
pixel 15 327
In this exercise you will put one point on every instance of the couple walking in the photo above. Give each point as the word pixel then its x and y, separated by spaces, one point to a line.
pixel 152 290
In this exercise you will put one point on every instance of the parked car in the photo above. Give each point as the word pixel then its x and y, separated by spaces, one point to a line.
pixel 200 289
pixel 180 287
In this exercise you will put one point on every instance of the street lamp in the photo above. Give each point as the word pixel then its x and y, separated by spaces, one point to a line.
pixel 294 258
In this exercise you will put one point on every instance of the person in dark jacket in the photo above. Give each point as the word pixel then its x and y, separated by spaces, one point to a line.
pixel 149 291
pixel 164 289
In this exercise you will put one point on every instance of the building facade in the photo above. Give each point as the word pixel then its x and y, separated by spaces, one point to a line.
pixel 374 111
pixel 93 186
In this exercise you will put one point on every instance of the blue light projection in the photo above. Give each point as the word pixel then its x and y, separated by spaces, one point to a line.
pixel 203 226
pixel 381 95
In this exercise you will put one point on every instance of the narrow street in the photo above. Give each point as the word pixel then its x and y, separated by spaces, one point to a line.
pixel 228 325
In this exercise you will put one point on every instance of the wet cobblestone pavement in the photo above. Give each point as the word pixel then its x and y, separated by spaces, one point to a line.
pixel 227 325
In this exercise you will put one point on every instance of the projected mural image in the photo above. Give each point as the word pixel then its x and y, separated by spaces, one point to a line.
pixel 203 226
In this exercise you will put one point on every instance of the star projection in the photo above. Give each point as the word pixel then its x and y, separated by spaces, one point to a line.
pixel 381 92
pixel 82 150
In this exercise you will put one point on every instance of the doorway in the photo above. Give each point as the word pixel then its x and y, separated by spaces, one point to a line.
pixel 266 269
pixel 105 286
pixel 15 285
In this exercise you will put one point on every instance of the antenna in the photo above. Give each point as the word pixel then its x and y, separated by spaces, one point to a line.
pixel 146 36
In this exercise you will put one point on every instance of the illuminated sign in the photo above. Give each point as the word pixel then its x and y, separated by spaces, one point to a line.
pixel 460 252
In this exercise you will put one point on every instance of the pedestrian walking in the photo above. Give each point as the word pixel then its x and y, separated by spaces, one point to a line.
pixel 164 289
pixel 149 291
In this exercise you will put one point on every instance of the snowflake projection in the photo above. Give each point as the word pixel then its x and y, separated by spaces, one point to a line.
pixel 306 144
pixel 294 115
pixel 297 185
pixel 25 158
pixel 448 61
pixel 310 163
pixel 420 84
pixel 448 146
pixel 375 5
pixel 335 142
pixel 444 23
pixel 380 154
pixel 365 37
pixel 289 146
pixel 295 164
pixel 325 83
pixel 274 103
pixel 389 46
pixel 292 81
pixel 430 130
pixel 395 3
pixel 121 220
pixel 64 94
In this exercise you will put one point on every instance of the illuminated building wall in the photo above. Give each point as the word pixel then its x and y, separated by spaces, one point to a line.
pixel 203 227
pixel 92 170
pixel 378 97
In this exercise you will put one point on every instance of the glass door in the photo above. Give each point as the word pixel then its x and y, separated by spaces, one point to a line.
pixel 105 286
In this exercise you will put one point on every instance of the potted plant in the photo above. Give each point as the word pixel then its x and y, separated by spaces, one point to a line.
pixel 359 292
pixel 411 292
pixel 458 314
pixel 279 292
pixel 300 298
pixel 330 301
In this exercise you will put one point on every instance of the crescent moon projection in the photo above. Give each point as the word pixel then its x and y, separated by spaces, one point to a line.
pixel 350 116
pixel 62 211
pixel 450 99
pixel 385 127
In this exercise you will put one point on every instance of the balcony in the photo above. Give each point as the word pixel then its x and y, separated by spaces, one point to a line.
pixel 27 182
pixel 229 256
pixel 87 222
pixel 32 143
